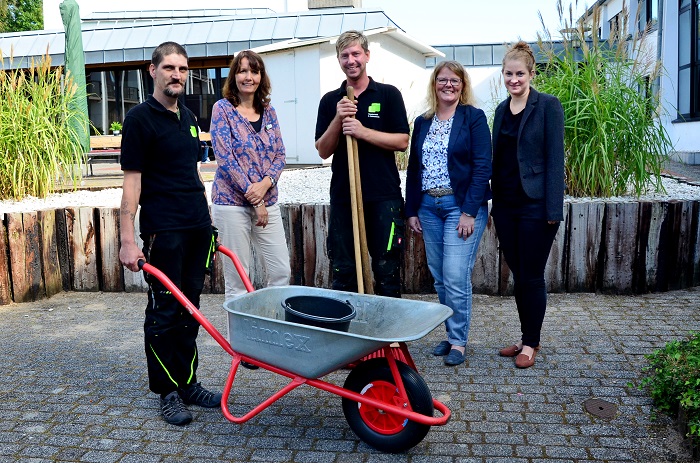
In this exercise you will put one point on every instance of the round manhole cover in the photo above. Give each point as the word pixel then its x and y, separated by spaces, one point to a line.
pixel 600 408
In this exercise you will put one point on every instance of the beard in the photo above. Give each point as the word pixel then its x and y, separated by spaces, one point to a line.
pixel 172 93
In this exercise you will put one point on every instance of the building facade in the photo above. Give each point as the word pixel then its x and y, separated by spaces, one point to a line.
pixel 671 36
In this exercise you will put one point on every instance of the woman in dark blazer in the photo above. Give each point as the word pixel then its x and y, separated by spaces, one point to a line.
pixel 528 191
pixel 447 190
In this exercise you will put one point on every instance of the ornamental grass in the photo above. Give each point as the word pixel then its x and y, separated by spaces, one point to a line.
pixel 614 141
pixel 39 151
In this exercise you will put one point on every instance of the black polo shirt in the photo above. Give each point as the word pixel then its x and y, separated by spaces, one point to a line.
pixel 379 107
pixel 165 150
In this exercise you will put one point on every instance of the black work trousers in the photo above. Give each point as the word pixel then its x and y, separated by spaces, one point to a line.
pixel 170 331
pixel 385 229
pixel 526 243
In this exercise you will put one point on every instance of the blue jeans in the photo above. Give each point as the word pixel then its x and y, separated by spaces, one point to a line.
pixel 451 259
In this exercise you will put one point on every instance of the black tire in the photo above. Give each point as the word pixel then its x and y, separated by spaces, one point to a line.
pixel 384 431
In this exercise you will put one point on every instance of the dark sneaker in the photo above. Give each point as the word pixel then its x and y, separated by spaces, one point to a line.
pixel 174 411
pixel 195 394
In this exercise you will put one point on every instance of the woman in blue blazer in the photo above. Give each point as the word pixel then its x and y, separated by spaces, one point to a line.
pixel 528 191
pixel 447 189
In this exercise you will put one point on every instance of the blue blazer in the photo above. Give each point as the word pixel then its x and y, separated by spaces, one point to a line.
pixel 468 160
pixel 540 150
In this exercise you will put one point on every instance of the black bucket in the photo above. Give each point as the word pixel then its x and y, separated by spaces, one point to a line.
pixel 319 311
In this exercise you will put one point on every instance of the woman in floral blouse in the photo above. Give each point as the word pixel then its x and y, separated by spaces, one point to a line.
pixel 250 155
pixel 447 189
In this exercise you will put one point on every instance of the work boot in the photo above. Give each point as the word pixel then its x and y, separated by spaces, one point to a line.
pixel 174 411
pixel 195 394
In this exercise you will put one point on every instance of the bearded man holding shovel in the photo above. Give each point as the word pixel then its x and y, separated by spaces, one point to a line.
pixel 377 120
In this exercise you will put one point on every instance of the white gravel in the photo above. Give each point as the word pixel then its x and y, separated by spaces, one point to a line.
pixel 309 185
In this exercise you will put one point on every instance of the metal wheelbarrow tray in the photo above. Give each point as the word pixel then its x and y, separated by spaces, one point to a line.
pixel 257 328
pixel 385 401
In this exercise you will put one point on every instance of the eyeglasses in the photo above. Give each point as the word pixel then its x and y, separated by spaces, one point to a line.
pixel 444 80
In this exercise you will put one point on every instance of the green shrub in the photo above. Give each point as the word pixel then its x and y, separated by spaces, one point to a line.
pixel 38 149
pixel 673 379
pixel 614 141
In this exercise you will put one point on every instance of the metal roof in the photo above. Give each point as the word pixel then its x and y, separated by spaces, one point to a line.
pixel 132 39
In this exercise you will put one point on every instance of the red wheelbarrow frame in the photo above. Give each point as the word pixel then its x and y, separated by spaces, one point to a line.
pixel 405 411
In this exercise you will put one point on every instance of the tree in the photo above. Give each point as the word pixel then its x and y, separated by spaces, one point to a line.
pixel 21 15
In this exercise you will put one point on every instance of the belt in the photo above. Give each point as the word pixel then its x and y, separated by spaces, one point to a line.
pixel 438 192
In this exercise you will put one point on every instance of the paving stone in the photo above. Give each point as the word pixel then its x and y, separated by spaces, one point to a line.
pixel 94 405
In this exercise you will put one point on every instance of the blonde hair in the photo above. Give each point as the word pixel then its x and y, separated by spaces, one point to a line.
pixel 348 38
pixel 466 95
pixel 521 51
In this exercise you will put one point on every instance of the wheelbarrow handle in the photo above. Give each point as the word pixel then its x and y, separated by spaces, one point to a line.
pixel 189 306
pixel 239 267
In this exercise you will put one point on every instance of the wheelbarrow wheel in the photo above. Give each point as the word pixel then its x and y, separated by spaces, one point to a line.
pixel 385 431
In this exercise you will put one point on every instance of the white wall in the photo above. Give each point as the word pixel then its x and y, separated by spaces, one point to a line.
pixel 295 96
pixel 685 136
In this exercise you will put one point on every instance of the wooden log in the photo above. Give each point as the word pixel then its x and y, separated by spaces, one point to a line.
pixel 309 247
pixel 678 263
pixel 686 246
pixel 314 225
pixel 51 267
pixel 111 269
pixel 5 283
pixel 322 268
pixel 555 270
pixel 294 234
pixel 25 257
pixel 505 277
pixel 649 228
pixel 134 282
pixel 416 277
pixel 485 276
pixel 695 241
pixel 82 241
pixel 619 239
pixel 64 257
pixel 217 276
pixel 257 276
pixel 585 232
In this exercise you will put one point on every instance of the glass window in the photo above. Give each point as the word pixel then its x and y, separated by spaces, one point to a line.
pixel 465 55
pixel 654 12
pixel 689 59
pixel 642 14
pixel 499 52
pixel 697 32
pixel 684 91
pixel 448 51
pixel 483 55
pixel 684 41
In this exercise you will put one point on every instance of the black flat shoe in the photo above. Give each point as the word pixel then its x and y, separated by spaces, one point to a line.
pixel 249 366
pixel 442 349
pixel 455 357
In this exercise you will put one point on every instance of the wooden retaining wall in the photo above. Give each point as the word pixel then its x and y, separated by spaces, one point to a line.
pixel 612 247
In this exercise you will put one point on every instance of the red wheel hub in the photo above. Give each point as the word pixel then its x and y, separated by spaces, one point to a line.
pixel 377 419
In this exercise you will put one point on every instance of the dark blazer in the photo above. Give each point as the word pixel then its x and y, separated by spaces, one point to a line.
pixel 540 150
pixel 468 160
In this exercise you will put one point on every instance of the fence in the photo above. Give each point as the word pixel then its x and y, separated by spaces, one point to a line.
pixel 612 247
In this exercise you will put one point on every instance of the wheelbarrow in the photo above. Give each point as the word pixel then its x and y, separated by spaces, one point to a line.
pixel 385 401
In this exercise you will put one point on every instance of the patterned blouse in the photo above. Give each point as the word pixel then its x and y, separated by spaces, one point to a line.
pixel 434 173
pixel 243 155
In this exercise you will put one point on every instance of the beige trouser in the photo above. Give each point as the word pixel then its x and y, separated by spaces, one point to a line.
pixel 239 233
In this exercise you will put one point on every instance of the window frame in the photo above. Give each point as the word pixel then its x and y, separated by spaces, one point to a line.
pixel 693 66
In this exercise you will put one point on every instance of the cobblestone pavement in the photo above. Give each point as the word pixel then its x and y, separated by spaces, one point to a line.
pixel 74 388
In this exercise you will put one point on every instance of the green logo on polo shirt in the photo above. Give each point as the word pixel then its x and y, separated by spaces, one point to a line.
pixel 374 108
pixel 193 131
